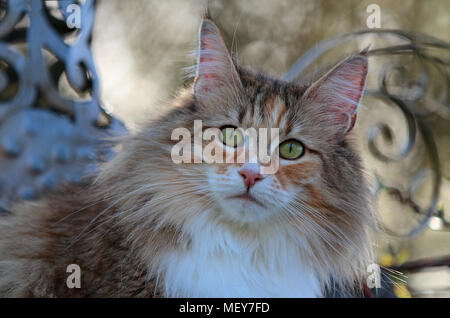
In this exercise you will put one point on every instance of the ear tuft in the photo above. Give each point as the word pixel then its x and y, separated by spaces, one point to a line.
pixel 207 15
pixel 340 91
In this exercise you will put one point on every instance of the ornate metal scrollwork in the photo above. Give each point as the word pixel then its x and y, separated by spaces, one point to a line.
pixel 415 101
pixel 52 123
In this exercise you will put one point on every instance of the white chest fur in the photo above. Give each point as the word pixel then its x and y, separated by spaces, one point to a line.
pixel 217 264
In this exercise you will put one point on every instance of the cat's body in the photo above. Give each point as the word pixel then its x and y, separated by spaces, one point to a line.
pixel 37 248
pixel 150 227
pixel 50 240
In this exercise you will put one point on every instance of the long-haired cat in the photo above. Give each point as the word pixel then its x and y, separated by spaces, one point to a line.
pixel 147 226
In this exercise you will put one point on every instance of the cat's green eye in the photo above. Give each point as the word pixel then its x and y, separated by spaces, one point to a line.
pixel 291 149
pixel 232 137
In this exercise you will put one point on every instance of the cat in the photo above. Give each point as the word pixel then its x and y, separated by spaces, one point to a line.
pixel 148 227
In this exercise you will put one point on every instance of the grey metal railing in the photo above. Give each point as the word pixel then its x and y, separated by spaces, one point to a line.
pixel 52 123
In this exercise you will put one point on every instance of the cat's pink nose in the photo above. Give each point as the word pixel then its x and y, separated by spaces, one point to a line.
pixel 250 177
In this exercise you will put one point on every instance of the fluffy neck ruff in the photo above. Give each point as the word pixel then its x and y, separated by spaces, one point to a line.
pixel 226 261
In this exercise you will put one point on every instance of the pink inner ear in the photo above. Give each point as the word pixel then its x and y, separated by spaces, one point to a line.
pixel 209 55
pixel 215 68
pixel 340 91
pixel 352 77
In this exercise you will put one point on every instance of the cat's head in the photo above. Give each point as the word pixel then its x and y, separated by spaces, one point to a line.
pixel 316 168
pixel 318 190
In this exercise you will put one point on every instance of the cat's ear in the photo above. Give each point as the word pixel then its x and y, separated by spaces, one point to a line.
pixel 216 75
pixel 339 92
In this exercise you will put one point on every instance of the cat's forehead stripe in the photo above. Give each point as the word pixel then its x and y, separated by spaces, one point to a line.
pixel 266 107
pixel 247 110
pixel 275 111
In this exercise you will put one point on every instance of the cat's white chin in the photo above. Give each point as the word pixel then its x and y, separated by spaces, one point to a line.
pixel 247 200
pixel 245 208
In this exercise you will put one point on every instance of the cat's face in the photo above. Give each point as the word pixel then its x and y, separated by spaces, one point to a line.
pixel 243 192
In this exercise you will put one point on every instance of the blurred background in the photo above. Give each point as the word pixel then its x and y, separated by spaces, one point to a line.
pixel 141 47
pixel 63 89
